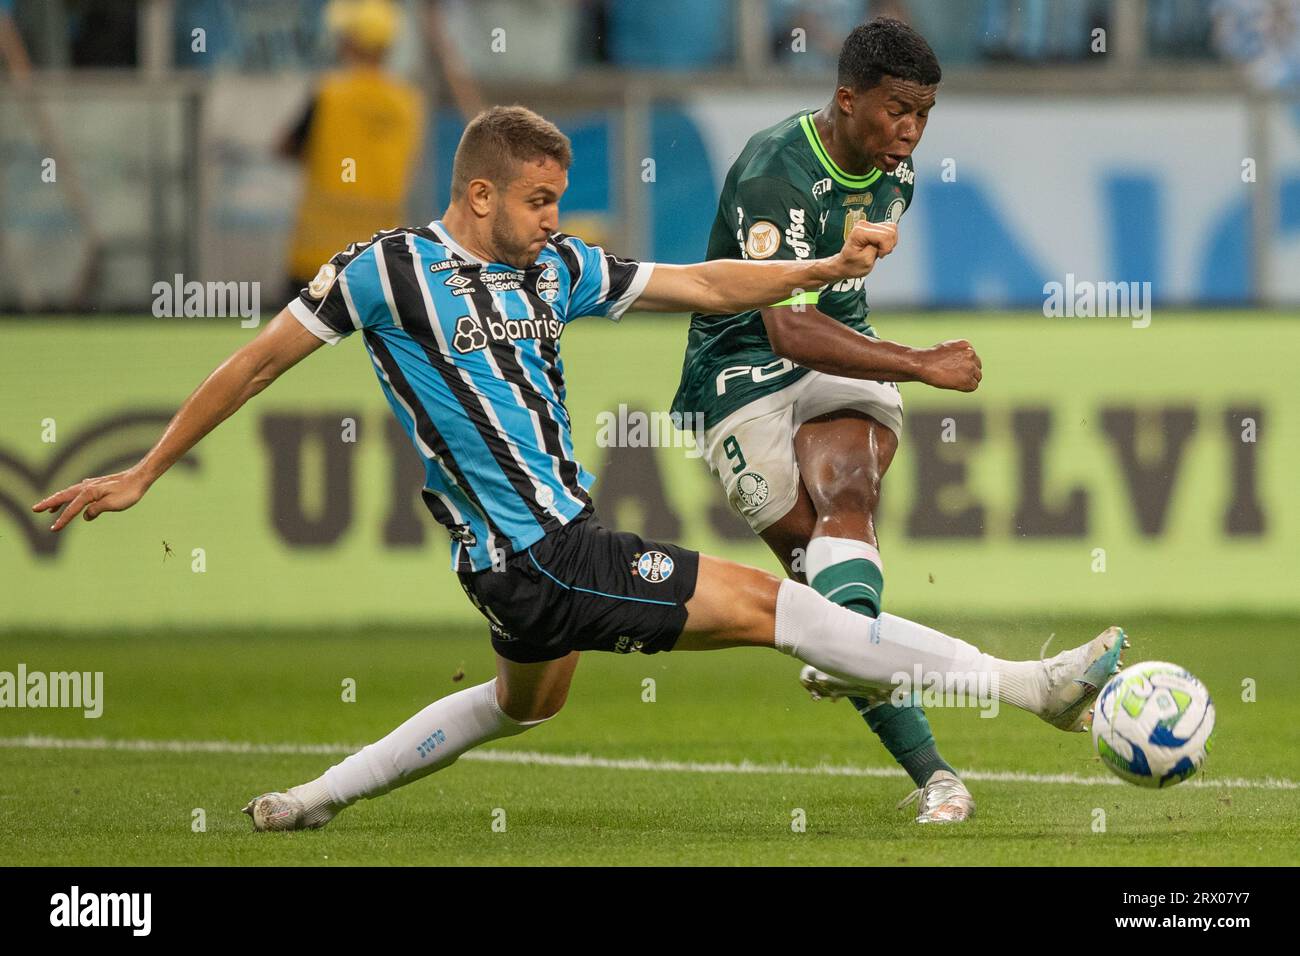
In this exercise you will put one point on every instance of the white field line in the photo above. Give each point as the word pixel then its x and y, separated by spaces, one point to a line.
pixel 535 758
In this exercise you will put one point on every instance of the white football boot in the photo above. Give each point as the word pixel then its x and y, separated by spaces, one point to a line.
pixel 823 686
pixel 943 799
pixel 1073 679
pixel 1070 681
pixel 284 811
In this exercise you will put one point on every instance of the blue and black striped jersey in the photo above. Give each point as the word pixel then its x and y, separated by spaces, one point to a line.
pixel 467 354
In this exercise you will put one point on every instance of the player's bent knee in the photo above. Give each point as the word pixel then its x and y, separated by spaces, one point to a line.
pixel 530 713
pixel 533 706
pixel 532 710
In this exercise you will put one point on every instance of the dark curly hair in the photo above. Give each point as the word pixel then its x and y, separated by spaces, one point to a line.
pixel 886 47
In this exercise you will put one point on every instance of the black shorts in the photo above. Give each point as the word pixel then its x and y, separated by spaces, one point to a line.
pixel 586 588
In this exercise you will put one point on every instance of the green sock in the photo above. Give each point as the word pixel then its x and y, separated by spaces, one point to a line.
pixel 858 583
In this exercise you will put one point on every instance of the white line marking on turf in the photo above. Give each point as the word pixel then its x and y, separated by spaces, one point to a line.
pixel 539 759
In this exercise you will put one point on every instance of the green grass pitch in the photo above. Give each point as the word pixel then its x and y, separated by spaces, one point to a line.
pixel 650 796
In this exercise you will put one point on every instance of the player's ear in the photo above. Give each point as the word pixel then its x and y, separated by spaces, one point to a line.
pixel 479 195
pixel 846 99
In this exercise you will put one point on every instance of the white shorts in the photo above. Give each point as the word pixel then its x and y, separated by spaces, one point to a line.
pixel 752 450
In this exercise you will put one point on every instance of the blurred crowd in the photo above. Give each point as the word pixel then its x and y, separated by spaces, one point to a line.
pixel 688 35
pixel 295 96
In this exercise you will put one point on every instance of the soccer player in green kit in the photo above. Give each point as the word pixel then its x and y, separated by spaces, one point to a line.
pixel 800 399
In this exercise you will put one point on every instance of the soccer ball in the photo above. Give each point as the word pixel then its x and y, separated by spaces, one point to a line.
pixel 1153 724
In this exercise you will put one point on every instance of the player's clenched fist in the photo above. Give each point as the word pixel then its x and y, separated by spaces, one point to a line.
pixel 94 496
pixel 953 365
pixel 882 235
pixel 867 242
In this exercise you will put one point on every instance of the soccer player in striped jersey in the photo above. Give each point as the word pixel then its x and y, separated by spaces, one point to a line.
pixel 800 398
pixel 461 321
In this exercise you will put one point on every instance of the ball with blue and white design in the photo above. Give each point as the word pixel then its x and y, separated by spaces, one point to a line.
pixel 1153 724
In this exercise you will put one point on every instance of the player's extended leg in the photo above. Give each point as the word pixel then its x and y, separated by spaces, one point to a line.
pixel 521 696
pixel 738 606
pixel 584 586
pixel 842 457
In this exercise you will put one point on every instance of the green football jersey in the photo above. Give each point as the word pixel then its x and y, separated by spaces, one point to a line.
pixel 783 198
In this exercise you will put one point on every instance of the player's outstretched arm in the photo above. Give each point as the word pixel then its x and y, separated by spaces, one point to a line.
pixel 280 346
pixel 810 338
pixel 814 340
pixel 735 285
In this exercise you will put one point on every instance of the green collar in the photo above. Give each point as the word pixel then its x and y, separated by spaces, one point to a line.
pixel 837 174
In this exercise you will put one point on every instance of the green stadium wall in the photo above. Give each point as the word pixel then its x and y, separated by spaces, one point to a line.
pixel 1100 468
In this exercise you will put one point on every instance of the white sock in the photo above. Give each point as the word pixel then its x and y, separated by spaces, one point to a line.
pixel 429 741
pixel 825 551
pixel 876 651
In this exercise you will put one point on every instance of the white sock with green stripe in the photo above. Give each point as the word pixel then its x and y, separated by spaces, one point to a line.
pixel 846 571
pixel 850 573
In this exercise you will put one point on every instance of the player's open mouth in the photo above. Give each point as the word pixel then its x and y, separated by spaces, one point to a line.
pixel 893 159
